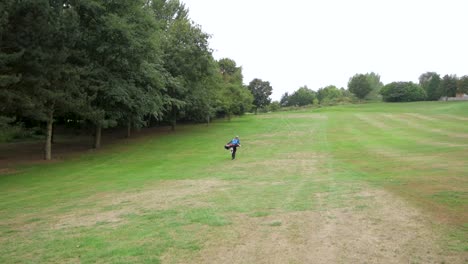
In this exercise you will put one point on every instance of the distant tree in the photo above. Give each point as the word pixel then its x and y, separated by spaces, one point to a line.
pixel 303 96
pixel 462 85
pixel 402 92
pixel 329 94
pixel 229 71
pixel 274 106
pixel 233 97
pixel 448 85
pixel 284 99
pixel 359 85
pixel 430 82
pixel 261 91
pixel 376 85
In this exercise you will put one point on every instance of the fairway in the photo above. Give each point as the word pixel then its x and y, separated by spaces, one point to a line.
pixel 371 183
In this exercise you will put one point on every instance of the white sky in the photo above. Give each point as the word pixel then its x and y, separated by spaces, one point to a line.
pixel 317 43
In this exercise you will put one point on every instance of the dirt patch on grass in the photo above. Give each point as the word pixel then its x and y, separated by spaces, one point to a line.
pixel 166 195
pixel 5 171
pixel 461 118
pixel 379 227
pixel 111 208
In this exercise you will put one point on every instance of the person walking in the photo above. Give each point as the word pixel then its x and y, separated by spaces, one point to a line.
pixel 233 145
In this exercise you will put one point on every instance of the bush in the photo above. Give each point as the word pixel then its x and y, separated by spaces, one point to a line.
pixel 9 130
pixel 274 106
pixel 402 92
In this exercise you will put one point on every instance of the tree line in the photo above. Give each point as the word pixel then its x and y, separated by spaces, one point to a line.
pixel 368 87
pixel 113 63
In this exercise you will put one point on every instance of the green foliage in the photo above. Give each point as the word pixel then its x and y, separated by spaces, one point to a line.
pixel 448 85
pixel 359 85
pixel 329 94
pixel 430 82
pixel 111 63
pixel 376 85
pixel 462 85
pixel 233 97
pixel 261 91
pixel 402 92
pixel 303 96
pixel 274 106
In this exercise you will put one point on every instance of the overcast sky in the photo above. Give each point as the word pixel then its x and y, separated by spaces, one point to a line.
pixel 318 43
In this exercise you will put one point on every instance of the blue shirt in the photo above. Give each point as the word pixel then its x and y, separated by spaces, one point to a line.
pixel 235 141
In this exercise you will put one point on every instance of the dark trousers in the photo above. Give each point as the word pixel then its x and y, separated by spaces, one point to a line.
pixel 234 149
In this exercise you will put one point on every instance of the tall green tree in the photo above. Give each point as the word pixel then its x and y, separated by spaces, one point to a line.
pixel 229 71
pixel 233 98
pixel 448 85
pixel 43 34
pixel 462 85
pixel 261 91
pixel 430 82
pixel 359 85
pixel 376 85
pixel 284 99
pixel 124 76
pixel 188 60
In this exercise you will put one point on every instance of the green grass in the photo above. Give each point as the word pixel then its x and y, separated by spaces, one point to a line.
pixel 168 196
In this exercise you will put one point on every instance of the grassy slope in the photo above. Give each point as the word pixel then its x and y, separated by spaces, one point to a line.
pixel 420 156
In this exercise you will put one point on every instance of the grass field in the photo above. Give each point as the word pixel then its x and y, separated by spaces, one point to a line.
pixel 374 183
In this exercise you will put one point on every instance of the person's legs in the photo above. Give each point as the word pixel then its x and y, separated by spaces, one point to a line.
pixel 234 149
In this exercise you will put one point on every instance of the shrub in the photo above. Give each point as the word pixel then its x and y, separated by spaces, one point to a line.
pixel 402 92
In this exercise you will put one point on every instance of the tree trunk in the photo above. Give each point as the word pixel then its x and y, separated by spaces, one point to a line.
pixel 52 139
pixel 208 120
pixel 174 119
pixel 129 129
pixel 48 144
pixel 256 109
pixel 97 136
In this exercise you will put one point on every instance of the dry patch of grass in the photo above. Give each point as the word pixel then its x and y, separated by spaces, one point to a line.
pixel 423 117
pixel 112 207
pixel 412 123
pixel 372 121
pixel 375 225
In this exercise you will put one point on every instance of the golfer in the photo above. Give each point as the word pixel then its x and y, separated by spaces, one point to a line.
pixel 232 145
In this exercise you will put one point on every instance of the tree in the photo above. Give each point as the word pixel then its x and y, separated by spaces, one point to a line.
pixel 39 38
pixel 430 82
pixel 229 71
pixel 376 85
pixel 359 85
pixel 303 96
pixel 233 97
pixel 261 91
pixel 123 76
pixel 284 99
pixel 329 94
pixel 190 66
pixel 448 85
pixel 462 85
pixel 274 106
pixel 402 92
